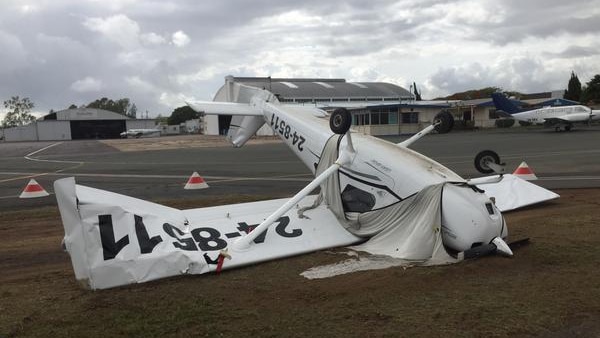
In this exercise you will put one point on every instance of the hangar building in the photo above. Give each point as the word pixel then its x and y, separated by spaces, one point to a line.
pixel 77 124
pixel 368 98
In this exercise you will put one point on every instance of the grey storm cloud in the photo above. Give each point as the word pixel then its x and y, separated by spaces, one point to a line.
pixel 159 53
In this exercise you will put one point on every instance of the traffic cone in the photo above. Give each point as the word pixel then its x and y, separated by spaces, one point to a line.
pixel 33 189
pixel 523 171
pixel 195 182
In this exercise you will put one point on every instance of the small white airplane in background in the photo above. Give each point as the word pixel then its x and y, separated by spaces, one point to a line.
pixel 137 133
pixel 385 197
pixel 559 117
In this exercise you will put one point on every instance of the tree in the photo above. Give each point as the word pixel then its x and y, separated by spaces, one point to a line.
pixel 416 92
pixel 474 94
pixel 182 114
pixel 72 106
pixel 591 93
pixel 132 111
pixel 121 106
pixel 19 112
pixel 161 119
pixel 573 91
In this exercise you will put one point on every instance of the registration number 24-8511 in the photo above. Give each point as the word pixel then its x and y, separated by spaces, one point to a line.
pixel 286 131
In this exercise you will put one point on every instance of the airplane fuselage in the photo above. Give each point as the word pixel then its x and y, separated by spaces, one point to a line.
pixel 383 173
pixel 568 114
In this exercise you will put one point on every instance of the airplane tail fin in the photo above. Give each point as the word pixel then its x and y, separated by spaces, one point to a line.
pixel 503 103
pixel 243 103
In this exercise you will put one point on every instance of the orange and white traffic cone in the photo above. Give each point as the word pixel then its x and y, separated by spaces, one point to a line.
pixel 524 171
pixel 33 189
pixel 195 182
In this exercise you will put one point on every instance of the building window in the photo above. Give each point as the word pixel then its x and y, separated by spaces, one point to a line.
pixel 384 118
pixel 375 118
pixel 393 118
pixel 412 117
pixel 360 119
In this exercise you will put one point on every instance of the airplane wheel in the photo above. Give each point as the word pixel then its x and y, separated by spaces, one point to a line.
pixel 447 122
pixel 567 128
pixel 340 121
pixel 483 158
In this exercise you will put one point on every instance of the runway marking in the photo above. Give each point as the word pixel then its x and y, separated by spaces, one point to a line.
pixel 564 178
pixel 40 150
pixel 212 179
pixel 517 156
pixel 28 157
pixel 17 196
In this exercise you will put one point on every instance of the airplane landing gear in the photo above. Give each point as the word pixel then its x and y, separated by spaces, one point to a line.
pixel 444 122
pixel 340 121
pixel 487 162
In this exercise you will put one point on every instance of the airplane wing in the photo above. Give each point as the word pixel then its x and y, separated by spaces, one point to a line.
pixel 511 192
pixel 557 120
pixel 225 108
pixel 115 239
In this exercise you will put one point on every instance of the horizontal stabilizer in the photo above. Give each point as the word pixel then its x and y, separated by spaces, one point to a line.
pixel 225 108
pixel 511 192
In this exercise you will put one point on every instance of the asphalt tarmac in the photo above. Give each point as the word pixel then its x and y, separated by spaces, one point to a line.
pixel 560 160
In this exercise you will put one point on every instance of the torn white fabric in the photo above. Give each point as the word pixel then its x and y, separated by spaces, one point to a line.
pixel 408 230
pixel 354 264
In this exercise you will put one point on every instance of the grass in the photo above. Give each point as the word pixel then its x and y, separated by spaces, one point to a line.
pixel 549 288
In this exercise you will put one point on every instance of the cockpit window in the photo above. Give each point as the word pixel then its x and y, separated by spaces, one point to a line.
pixel 356 200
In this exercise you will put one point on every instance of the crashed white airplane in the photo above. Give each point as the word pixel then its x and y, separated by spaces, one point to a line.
pixel 385 198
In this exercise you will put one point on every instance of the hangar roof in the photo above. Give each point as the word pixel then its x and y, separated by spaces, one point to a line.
pixel 292 88
pixel 84 114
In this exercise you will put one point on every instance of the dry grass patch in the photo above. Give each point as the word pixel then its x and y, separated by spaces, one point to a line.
pixel 550 288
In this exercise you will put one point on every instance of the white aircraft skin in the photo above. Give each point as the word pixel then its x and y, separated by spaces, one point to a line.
pixel 137 133
pixel 388 171
pixel 560 117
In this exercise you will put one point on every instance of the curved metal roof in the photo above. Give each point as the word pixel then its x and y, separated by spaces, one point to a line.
pixel 84 114
pixel 288 88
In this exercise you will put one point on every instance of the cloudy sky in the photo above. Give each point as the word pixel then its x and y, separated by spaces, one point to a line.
pixel 159 53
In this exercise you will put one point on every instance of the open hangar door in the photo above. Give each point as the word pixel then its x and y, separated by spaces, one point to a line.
pixel 96 129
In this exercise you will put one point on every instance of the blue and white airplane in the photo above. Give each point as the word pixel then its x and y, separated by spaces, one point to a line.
pixel 558 117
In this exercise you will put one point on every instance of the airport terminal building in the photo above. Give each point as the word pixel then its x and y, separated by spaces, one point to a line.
pixel 76 124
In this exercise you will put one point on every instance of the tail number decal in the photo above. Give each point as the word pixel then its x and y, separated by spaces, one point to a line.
pixel 202 238
pixel 285 130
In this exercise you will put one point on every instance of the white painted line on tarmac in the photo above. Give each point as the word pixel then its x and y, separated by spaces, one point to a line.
pixel 568 178
pixel 213 179
pixel 17 196
pixel 40 150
